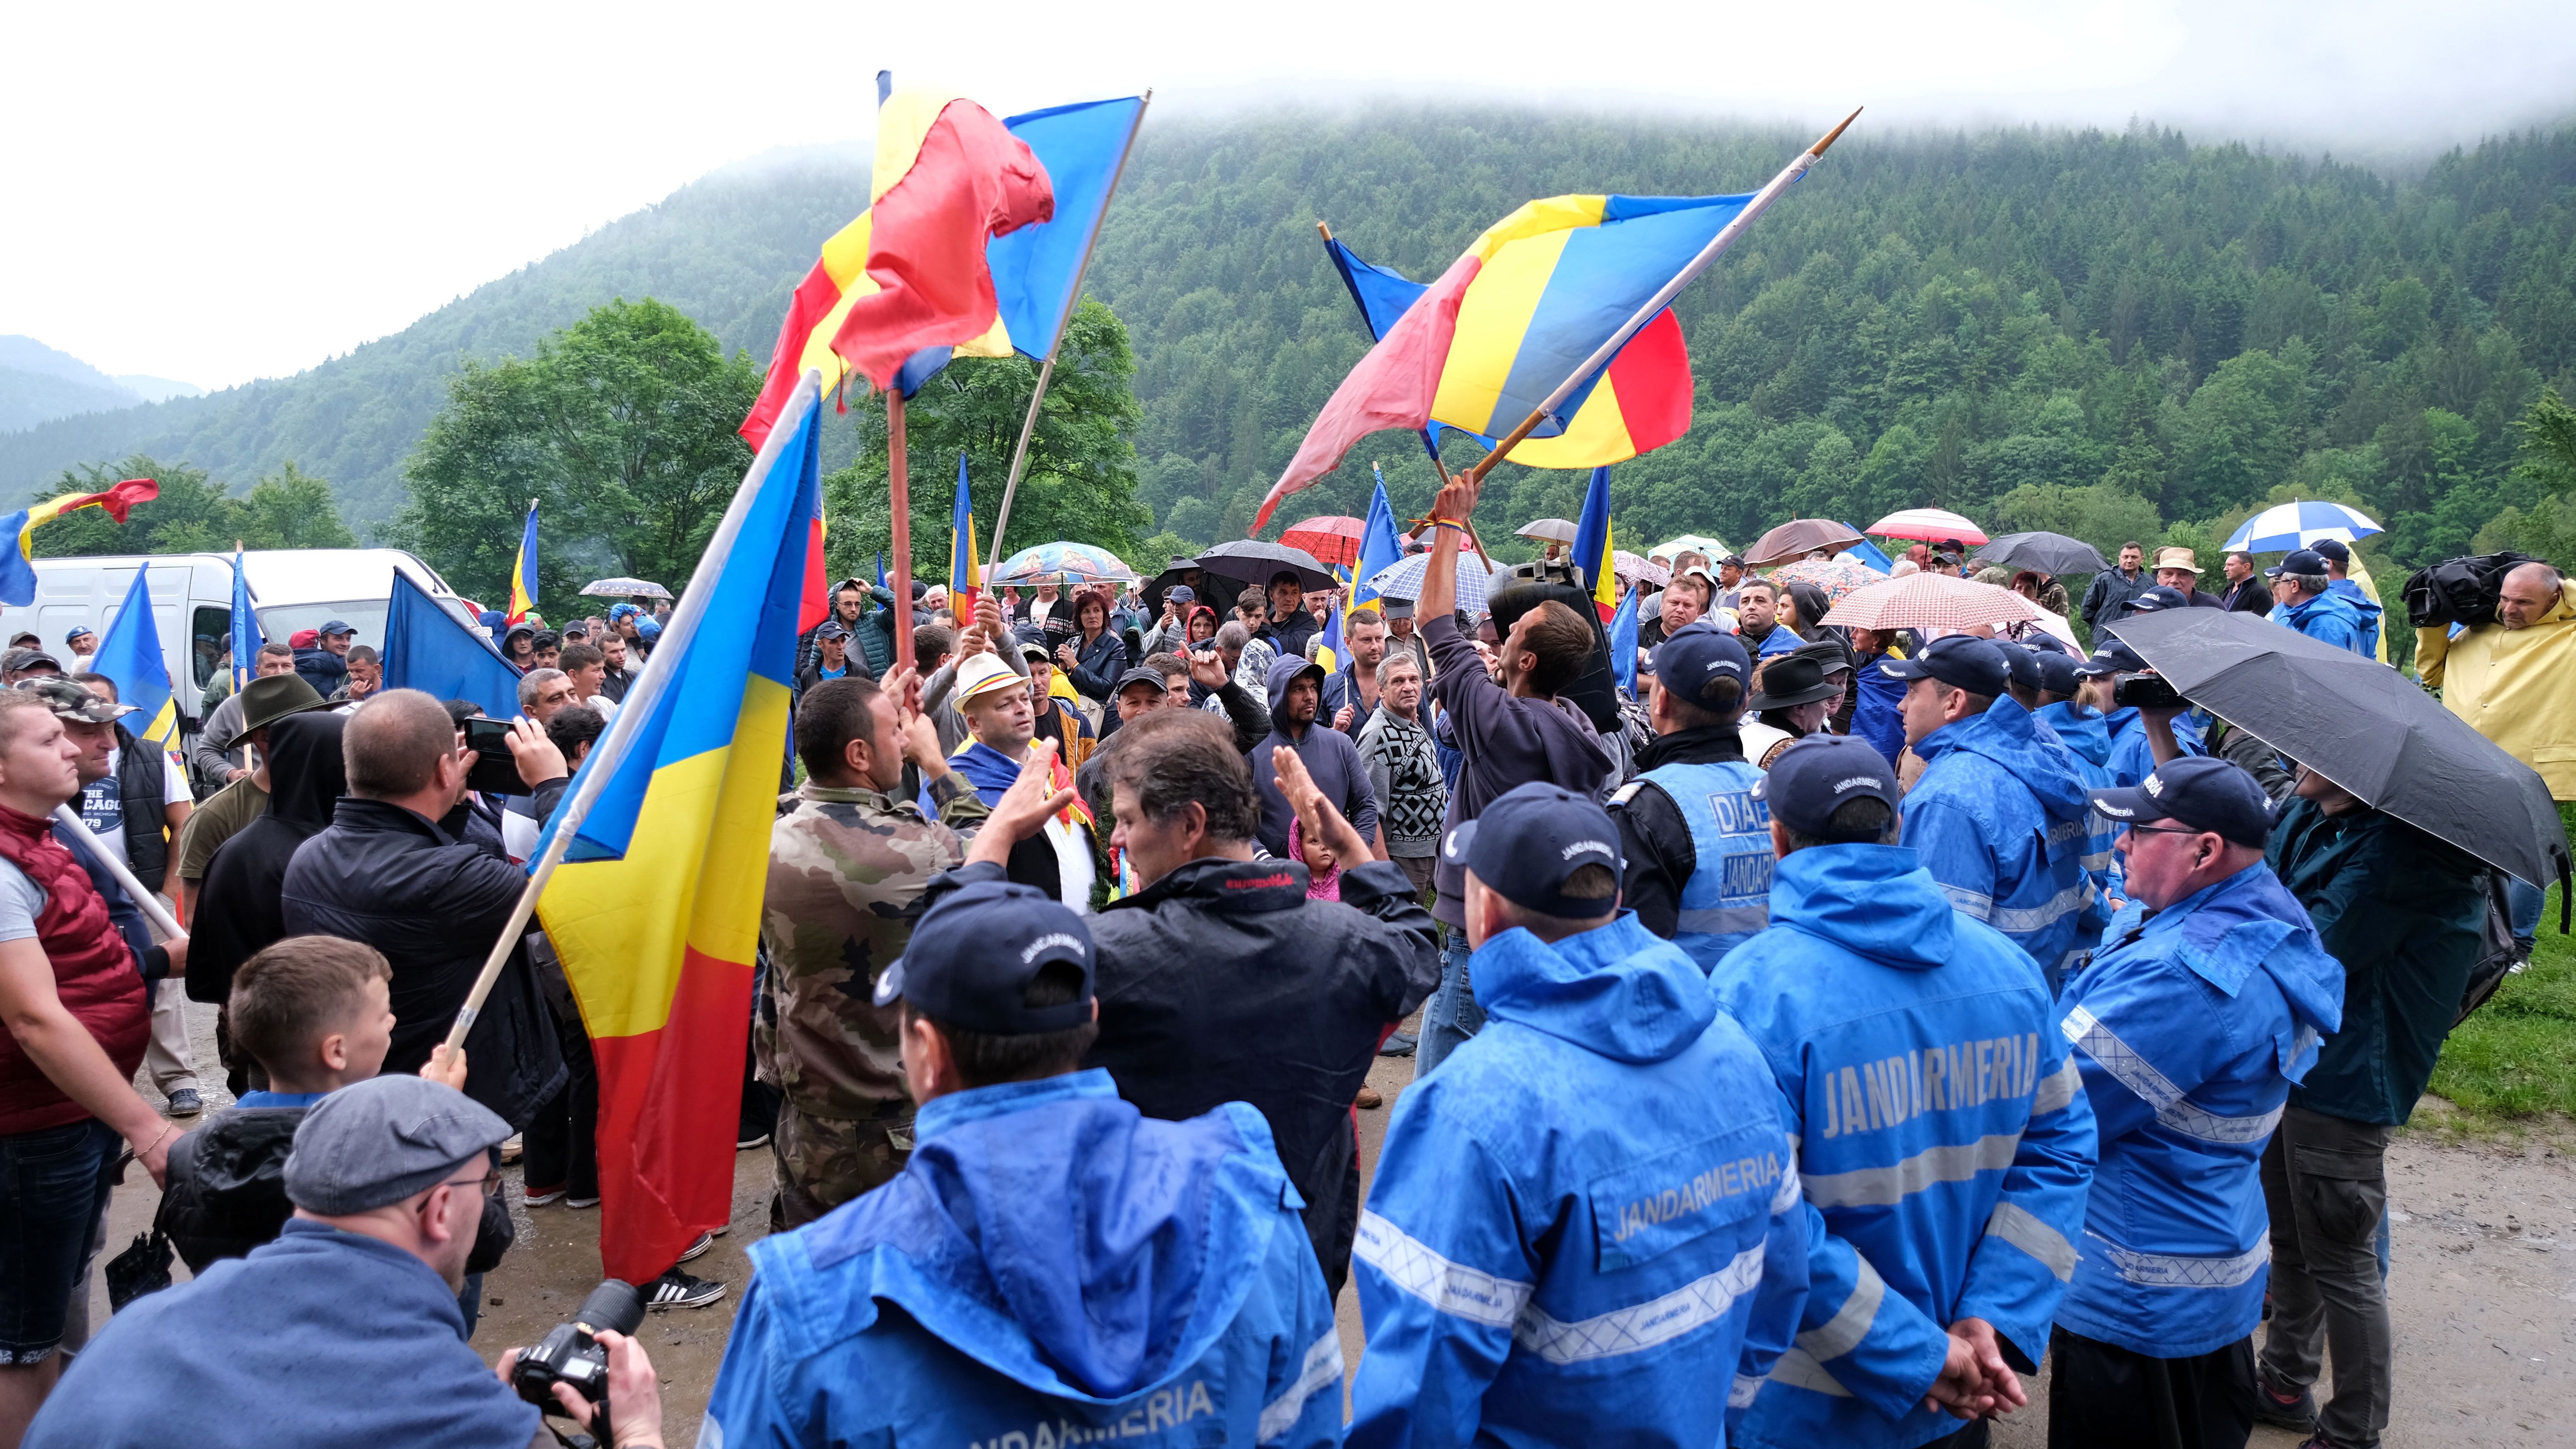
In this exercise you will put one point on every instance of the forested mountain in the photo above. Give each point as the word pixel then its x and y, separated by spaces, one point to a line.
pixel 2107 332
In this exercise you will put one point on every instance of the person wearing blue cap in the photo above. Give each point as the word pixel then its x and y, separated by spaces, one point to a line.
pixel 1943 1139
pixel 1051 1266
pixel 1998 813
pixel 2338 557
pixel 1698 853
pixel 2064 710
pixel 2204 1005
pixel 2301 600
pixel 325 664
pixel 1587 1221
pixel 2140 737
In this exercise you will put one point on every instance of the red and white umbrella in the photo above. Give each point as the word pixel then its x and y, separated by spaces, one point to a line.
pixel 1930 601
pixel 1932 525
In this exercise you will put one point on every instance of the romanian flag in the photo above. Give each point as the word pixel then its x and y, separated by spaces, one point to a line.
pixel 655 910
pixel 965 575
pixel 523 572
pixel 18 569
pixel 131 656
pixel 1592 545
pixel 915 279
pixel 1511 320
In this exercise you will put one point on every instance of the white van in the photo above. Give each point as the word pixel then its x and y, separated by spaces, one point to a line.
pixel 192 601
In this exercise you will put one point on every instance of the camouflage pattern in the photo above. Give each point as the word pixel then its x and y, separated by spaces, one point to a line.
pixel 847 868
pixel 824 1162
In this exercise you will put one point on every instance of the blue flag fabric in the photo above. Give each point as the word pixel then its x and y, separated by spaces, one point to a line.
pixel 1592 540
pixel 1380 545
pixel 427 649
pixel 246 637
pixel 131 656
pixel 1623 643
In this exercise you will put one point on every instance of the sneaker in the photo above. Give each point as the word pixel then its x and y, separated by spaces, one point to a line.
pixel 186 1103
pixel 760 1139
pixel 540 1196
pixel 1399 1045
pixel 698 1248
pixel 676 1289
pixel 2287 1411
pixel 510 1151
pixel 581 1202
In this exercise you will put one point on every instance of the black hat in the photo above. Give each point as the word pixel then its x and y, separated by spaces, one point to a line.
pixel 973 954
pixel 2162 596
pixel 2114 657
pixel 1788 679
pixel 2201 792
pixel 19 660
pixel 2306 561
pixel 1828 654
pixel 1140 675
pixel 1810 780
pixel 2333 550
pixel 831 629
pixel 1694 654
pixel 1962 661
pixel 2058 673
pixel 1526 842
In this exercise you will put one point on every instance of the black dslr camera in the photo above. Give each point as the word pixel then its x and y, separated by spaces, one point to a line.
pixel 2146 691
pixel 570 1353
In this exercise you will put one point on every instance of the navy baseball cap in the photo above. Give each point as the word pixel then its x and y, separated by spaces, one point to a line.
pixel 2332 549
pixel 2114 657
pixel 973 954
pixel 2058 673
pixel 1695 654
pixel 1140 675
pixel 1533 836
pixel 2023 664
pixel 1961 661
pixel 1181 594
pixel 2201 792
pixel 2305 561
pixel 832 629
pixel 2162 596
pixel 1813 778
pixel 336 626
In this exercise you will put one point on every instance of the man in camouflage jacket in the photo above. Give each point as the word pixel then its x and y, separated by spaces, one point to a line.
pixel 848 862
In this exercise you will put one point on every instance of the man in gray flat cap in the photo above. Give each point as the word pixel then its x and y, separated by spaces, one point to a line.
pixel 345 1329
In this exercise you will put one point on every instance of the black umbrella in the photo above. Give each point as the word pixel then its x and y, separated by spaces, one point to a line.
pixel 2363 726
pixel 1171 575
pixel 1249 563
pixel 2049 553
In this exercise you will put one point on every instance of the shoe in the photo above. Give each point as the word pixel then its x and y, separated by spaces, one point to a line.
pixel 540 1196
pixel 2286 1411
pixel 676 1289
pixel 1369 1100
pixel 747 1143
pixel 698 1248
pixel 582 1202
pixel 510 1151
pixel 186 1103
pixel 1399 1045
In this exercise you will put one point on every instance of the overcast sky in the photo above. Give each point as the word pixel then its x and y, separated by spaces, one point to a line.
pixel 217 193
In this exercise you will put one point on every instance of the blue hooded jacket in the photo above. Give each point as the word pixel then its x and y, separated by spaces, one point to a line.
pixel 1944 1140
pixel 1059 1269
pixel 1587 1220
pixel 2086 733
pixel 2368 608
pixel 2329 618
pixel 2190 1026
pixel 2132 757
pixel 1877 702
pixel 2000 819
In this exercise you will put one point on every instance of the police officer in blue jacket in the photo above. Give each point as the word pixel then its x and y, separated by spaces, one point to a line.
pixel 1943 1137
pixel 1698 843
pixel 1586 1225
pixel 2204 1005
pixel 1997 815
pixel 1051 1267
pixel 2087 736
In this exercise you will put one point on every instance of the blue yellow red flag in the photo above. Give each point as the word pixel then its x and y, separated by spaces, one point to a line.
pixel 18 565
pixel 655 911
pixel 1380 544
pixel 130 654
pixel 1623 643
pixel 1593 544
pixel 245 626
pixel 965 573
pixel 523 572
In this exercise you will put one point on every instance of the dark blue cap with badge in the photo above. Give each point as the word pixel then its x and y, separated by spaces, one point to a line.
pixel 2201 792
pixel 973 955
pixel 2022 662
pixel 1818 775
pixel 2332 550
pixel 2114 657
pixel 1693 656
pixel 2306 561
pixel 2058 673
pixel 2158 599
pixel 1526 843
pixel 1961 661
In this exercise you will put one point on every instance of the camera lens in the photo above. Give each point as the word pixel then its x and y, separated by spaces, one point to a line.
pixel 613 1305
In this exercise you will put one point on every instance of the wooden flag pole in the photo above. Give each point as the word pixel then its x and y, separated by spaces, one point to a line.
pixel 1663 298
pixel 899 493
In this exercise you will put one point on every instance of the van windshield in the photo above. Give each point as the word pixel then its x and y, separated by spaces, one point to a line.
pixel 282 622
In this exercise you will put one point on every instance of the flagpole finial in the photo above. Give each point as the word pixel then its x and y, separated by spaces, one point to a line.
pixel 1326 230
pixel 1835 134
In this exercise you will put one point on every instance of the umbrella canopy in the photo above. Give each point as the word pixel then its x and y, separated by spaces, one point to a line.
pixel 1071 565
pixel 1627 565
pixel 1170 575
pixel 1402 579
pixel 1553 530
pixel 625 588
pixel 1837 579
pixel 1248 563
pixel 2049 553
pixel 1333 538
pixel 1798 537
pixel 1690 542
pixel 2297 525
pixel 1932 525
pixel 1930 601
pixel 2363 726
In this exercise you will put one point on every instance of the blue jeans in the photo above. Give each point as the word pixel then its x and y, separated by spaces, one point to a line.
pixel 54 1183
pixel 469 1301
pixel 1453 1015
pixel 2523 901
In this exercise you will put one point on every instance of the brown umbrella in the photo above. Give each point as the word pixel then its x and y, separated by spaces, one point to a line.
pixel 1798 537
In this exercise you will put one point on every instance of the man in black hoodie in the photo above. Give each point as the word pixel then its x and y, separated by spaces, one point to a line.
pixel 1291 622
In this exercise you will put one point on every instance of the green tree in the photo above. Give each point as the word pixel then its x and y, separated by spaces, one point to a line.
pixel 292 509
pixel 2100 514
pixel 288 509
pixel 621 427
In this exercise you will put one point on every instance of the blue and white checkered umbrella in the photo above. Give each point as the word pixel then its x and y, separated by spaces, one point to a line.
pixel 1402 579
pixel 2297 525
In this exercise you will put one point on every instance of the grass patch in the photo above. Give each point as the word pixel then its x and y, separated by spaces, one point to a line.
pixel 2516 1058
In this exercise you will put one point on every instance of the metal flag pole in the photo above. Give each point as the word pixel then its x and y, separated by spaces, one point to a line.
pixel 610 752
pixel 1046 369
pixel 1663 297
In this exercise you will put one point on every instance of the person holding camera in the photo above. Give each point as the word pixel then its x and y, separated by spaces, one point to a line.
pixel 344 1329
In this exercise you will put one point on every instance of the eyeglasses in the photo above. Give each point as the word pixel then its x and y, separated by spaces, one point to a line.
pixel 489 1182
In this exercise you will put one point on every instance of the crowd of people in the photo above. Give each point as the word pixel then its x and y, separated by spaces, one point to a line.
pixel 1809 1043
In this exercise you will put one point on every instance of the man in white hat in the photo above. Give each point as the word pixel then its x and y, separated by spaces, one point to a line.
pixel 1002 720
pixel 2177 570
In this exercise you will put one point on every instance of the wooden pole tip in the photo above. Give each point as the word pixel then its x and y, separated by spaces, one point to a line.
pixel 1835 134
pixel 1326 230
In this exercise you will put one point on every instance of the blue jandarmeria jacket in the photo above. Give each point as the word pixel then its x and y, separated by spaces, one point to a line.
pixel 2132 758
pixel 2086 733
pixel 2000 819
pixel 1586 1224
pixel 1050 1268
pixel 1944 1139
pixel 2189 1026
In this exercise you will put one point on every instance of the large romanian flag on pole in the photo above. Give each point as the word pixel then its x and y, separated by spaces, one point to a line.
pixel 130 654
pixel 965 569
pixel 523 572
pixel 655 909
pixel 1593 545
pixel 18 565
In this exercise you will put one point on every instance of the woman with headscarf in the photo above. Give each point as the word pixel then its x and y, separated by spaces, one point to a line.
pixel 239 911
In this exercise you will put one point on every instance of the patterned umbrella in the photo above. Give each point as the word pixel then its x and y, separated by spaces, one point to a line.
pixel 1836 579
pixel 1069 565
pixel 625 588
pixel 1627 565
pixel 1930 601
pixel 1797 538
pixel 1932 525
pixel 1690 543
pixel 2297 525
pixel 1333 538
pixel 1402 579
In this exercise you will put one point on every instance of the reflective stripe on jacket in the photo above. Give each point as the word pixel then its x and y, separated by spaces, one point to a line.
pixel 2000 819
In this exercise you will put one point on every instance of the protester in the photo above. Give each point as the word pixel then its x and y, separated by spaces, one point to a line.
pixel 831 655
pixel 366 676
pixel 1404 770
pixel 2190 1026
pixel 1923 1285
pixel 560 1150
pixel 389 1178
pixel 519 645
pixel 2108 596
pixel 217 753
pixel 1055 717
pixel 2177 569
pixel 1402 635
pixel 1296 702
pixel 29 662
pixel 1524 1272
pixel 1094 658
pixel 1997 815
pixel 2404 915
pixel 2302 602
pixel 1757 619
pixel 545 689
pixel 1692 804
pixel 2338 557
pixel 849 600
pixel 2245 593
pixel 1058 1264
pixel 546 650
pixel 229 810
pixel 1289 624
pixel 621 671
pixel 1510 729
pixel 585 669
pixel 1683 602
pixel 1350 691
pixel 324 664
pixel 1057 859
pixel 1791 700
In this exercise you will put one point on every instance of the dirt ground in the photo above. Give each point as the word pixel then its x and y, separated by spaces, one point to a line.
pixel 2483 1282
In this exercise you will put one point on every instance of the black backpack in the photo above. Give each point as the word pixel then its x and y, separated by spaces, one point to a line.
pixel 2499 954
pixel 2460 590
